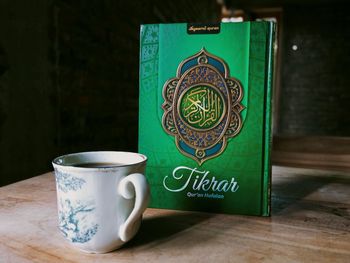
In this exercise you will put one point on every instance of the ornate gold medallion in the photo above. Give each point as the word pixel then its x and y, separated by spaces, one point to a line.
pixel 202 106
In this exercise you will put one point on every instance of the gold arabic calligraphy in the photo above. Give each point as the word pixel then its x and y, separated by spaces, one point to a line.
pixel 201 107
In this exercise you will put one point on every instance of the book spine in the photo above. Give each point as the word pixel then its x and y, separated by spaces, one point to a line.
pixel 266 208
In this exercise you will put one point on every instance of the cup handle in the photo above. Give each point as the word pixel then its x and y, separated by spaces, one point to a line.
pixel 133 185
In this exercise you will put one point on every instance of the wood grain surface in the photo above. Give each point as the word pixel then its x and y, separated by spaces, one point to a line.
pixel 310 222
pixel 331 153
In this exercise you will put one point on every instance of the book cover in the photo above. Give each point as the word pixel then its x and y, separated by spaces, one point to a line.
pixel 205 115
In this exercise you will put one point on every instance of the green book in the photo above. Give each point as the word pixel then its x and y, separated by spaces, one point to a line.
pixel 205 115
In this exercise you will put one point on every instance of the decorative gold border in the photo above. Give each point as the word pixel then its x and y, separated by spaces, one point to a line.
pixel 201 161
pixel 202 51
pixel 229 98
pixel 232 108
pixel 193 86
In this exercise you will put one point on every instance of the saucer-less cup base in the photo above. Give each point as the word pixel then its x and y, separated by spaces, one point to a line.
pixel 100 208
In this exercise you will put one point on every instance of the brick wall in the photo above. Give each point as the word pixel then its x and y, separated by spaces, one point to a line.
pixel 315 83
pixel 95 47
pixel 69 76
pixel 27 112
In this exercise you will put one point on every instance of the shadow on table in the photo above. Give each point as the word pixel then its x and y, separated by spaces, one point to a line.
pixel 292 191
pixel 164 227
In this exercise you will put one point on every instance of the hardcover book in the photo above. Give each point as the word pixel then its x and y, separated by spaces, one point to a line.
pixel 205 115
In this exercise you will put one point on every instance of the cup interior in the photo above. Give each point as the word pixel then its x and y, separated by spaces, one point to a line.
pixel 105 158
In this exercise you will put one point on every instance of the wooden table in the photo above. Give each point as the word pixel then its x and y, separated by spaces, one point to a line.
pixel 310 223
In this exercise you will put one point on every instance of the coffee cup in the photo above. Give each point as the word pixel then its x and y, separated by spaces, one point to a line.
pixel 101 197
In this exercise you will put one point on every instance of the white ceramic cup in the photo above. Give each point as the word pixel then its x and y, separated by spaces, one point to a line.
pixel 100 208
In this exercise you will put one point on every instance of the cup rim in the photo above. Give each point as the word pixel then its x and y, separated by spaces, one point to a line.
pixel 56 161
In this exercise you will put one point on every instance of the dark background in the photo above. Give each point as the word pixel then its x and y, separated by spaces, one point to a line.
pixel 69 73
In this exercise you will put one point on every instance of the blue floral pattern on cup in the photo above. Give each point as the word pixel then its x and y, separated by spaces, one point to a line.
pixel 74 223
pixel 74 216
pixel 67 182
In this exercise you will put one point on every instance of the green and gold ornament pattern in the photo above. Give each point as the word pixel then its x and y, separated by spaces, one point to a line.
pixel 202 106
